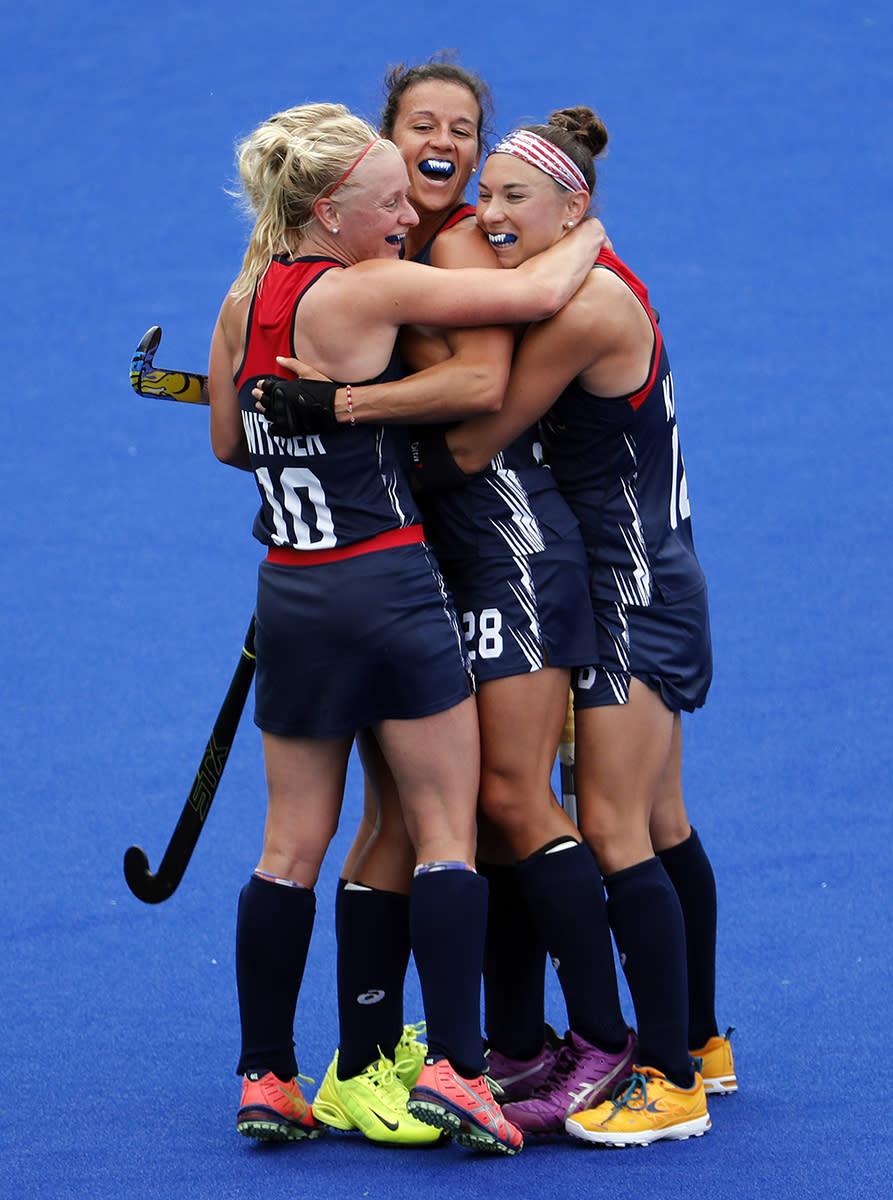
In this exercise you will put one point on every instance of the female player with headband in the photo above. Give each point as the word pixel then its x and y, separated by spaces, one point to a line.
pixel 599 377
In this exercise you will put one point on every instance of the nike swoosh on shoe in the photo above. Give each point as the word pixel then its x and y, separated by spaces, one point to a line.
pixel 392 1125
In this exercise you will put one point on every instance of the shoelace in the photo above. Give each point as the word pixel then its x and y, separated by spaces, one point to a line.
pixel 561 1070
pixel 383 1071
pixel 497 1091
pixel 383 1075
pixel 405 1054
pixel 625 1092
pixel 414 1032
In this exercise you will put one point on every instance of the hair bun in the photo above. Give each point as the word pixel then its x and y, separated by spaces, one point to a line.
pixel 584 125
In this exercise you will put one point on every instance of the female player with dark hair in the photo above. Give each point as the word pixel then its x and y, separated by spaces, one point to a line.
pixel 435 113
pixel 354 628
pixel 599 376
pixel 511 552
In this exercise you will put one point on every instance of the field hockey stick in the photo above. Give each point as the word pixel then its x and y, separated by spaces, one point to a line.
pixel 154 888
pixel 566 768
pixel 148 380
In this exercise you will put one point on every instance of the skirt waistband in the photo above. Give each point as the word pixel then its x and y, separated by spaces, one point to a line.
pixel 288 556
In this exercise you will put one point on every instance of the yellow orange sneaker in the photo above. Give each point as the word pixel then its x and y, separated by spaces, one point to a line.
pixel 464 1108
pixel 717 1065
pixel 275 1111
pixel 373 1102
pixel 647 1108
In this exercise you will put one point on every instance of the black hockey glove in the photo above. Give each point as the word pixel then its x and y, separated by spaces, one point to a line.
pixel 299 406
pixel 433 467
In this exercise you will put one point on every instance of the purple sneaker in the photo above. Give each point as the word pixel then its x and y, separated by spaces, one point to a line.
pixel 518 1079
pixel 582 1078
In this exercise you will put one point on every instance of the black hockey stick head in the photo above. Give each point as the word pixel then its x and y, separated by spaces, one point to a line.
pixel 149 888
pixel 149 380
pixel 143 356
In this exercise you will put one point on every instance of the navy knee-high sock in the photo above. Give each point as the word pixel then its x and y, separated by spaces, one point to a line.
pixel 273 931
pixel 692 876
pixel 514 968
pixel 647 921
pixel 373 953
pixel 448 920
pixel 563 889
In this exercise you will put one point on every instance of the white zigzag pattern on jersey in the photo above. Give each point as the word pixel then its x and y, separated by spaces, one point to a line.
pixel 521 532
pixel 619 679
pixel 530 644
pixel 634 588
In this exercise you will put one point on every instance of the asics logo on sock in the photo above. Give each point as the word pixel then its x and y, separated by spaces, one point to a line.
pixel 373 996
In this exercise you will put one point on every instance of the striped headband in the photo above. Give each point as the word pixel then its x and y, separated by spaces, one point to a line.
pixel 356 162
pixel 536 150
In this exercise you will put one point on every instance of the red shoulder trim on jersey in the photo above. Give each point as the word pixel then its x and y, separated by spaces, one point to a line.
pixel 272 313
pixel 458 214
pixel 285 283
pixel 609 260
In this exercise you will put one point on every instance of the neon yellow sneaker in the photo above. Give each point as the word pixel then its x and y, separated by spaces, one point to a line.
pixel 373 1102
pixel 647 1108
pixel 717 1065
pixel 409 1054
pixel 273 1111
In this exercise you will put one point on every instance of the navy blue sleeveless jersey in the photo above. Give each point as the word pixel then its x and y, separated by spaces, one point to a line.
pixel 321 491
pixel 510 507
pixel 354 623
pixel 510 549
pixel 460 213
pixel 619 464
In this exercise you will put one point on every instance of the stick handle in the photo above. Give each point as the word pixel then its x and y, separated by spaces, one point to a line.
pixel 566 763
pixel 152 889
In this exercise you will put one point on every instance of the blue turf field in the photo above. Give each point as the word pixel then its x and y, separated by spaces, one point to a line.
pixel 749 183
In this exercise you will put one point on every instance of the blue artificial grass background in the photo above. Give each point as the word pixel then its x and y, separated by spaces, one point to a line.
pixel 748 181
